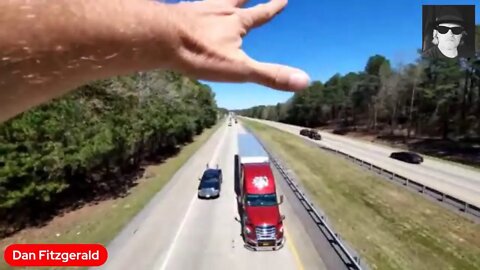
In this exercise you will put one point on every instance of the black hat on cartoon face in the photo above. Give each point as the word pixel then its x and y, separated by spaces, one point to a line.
pixel 449 16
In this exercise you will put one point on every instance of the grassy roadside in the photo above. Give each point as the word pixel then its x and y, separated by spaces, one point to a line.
pixel 390 227
pixel 102 222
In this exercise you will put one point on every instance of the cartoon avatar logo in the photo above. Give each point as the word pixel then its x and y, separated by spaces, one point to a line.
pixel 260 181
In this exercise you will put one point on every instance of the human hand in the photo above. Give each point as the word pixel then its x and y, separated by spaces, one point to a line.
pixel 211 33
pixel 76 42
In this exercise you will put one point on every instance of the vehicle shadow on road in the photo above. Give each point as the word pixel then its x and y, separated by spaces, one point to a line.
pixel 237 190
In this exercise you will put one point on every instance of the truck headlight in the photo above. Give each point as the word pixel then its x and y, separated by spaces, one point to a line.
pixel 247 230
pixel 280 229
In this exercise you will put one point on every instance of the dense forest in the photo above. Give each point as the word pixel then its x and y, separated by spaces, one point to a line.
pixel 427 98
pixel 92 143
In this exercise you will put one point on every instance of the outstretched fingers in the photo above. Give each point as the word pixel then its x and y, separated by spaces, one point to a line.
pixel 236 3
pixel 262 13
pixel 279 77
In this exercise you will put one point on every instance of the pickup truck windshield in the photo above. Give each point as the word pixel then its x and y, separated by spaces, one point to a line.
pixel 262 199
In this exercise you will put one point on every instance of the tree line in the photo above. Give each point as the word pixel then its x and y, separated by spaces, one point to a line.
pixel 439 98
pixel 91 143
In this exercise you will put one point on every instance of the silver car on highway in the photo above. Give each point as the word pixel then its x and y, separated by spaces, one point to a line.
pixel 210 184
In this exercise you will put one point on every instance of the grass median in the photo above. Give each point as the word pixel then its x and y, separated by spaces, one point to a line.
pixel 391 228
pixel 101 222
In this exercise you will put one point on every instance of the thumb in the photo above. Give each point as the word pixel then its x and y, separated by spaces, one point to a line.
pixel 279 77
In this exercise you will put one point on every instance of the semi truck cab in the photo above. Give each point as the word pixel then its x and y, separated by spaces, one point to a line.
pixel 261 220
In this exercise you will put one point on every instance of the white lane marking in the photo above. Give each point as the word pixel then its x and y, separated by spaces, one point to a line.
pixel 189 209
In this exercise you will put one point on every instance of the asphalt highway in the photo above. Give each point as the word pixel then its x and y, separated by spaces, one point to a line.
pixel 458 181
pixel 176 230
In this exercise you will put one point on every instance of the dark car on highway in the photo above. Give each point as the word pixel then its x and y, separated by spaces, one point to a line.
pixel 311 133
pixel 210 184
pixel 314 135
pixel 409 157
pixel 305 132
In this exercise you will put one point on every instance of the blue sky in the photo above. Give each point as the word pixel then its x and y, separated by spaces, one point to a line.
pixel 324 37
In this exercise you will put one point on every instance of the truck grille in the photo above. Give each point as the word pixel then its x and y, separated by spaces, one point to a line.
pixel 265 232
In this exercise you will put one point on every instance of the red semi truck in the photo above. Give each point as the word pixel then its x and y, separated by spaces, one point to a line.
pixel 261 220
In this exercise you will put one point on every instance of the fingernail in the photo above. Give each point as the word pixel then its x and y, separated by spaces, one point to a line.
pixel 298 81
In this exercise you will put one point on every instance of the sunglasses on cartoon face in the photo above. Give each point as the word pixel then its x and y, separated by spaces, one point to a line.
pixel 457 30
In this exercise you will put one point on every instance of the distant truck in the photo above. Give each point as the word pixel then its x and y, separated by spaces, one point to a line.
pixel 262 223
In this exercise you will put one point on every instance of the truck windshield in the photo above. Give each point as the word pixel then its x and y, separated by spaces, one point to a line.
pixel 262 199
